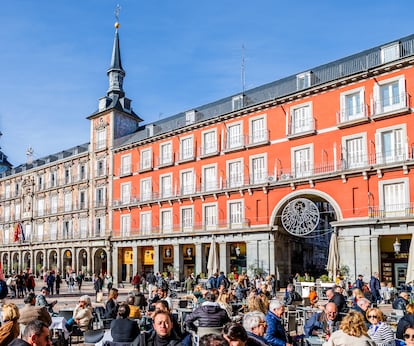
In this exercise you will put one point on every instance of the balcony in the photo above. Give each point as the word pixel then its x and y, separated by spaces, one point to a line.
pixel 403 210
pixel 184 156
pixel 164 161
pixel 145 166
pixel 125 170
pixel 204 152
pixel 392 106
pixel 258 138
pixel 298 129
pixel 348 117
pixel 234 143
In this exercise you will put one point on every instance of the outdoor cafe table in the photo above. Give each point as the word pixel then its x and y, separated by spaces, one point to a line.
pixel 314 341
pixel 58 325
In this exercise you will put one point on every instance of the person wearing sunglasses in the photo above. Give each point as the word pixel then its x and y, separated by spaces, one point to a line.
pixel 408 335
pixel 255 324
pixel 379 331
pixel 406 320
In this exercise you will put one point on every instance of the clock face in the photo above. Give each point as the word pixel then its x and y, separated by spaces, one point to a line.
pixel 300 217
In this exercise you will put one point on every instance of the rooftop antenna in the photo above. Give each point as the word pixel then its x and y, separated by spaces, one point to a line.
pixel 243 70
pixel 29 154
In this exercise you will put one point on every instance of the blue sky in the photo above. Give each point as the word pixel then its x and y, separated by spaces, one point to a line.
pixel 177 54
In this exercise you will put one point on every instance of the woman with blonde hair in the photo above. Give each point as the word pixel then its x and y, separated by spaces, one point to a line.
pixel 258 302
pixel 83 312
pixel 10 328
pixel 379 331
pixel 223 301
pixel 356 295
pixel 352 332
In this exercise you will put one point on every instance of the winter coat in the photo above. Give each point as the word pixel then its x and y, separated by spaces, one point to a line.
pixel 209 314
pixel 275 333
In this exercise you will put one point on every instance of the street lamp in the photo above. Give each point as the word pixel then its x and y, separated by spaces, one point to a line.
pixel 397 246
pixel 237 249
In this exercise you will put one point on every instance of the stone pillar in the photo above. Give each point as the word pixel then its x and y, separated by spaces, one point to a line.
pixel 346 246
pixel 199 259
pixel 115 274
pixel 363 255
pixel 224 257
pixel 135 267
pixel 157 259
pixel 375 254
pixel 109 266
pixel 178 262
pixel 252 255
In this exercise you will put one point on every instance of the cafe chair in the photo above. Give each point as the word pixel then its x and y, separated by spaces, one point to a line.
pixel 92 337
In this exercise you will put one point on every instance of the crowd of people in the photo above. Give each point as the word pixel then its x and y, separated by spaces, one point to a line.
pixel 241 311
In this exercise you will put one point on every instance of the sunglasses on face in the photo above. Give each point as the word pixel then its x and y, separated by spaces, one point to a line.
pixel 372 316
pixel 408 336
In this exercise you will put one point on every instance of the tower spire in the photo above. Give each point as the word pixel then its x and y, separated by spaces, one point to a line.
pixel 115 72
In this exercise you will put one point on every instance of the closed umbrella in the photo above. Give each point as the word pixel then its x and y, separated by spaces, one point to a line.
pixel 410 269
pixel 213 258
pixel 333 257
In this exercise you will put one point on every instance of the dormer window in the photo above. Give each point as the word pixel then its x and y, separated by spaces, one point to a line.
pixel 238 102
pixel 190 117
pixel 304 80
pixel 390 52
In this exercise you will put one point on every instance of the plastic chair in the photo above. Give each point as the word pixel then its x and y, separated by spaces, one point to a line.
pixel 92 337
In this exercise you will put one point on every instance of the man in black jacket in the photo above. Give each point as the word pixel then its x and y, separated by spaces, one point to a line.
pixel 401 302
pixel 338 299
pixel 209 314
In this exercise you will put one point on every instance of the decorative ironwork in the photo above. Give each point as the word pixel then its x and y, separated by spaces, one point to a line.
pixel 300 217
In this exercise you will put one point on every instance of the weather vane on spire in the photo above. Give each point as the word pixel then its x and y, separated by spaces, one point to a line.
pixel 116 12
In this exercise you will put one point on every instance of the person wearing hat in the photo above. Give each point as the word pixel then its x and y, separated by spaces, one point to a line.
pixel 41 300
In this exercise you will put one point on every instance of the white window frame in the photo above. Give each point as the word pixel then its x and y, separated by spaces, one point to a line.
pixel 187 148
pixel 100 167
pixel 17 211
pixel 301 118
pixel 356 111
pixel 100 139
pixel 166 220
pixel 125 193
pixel 99 226
pixel 399 151
pixel 392 103
pixel 126 164
pixel 190 117
pixel 187 218
pixel 355 155
pixel 54 204
pixel 234 135
pixel 210 182
pixel 40 232
pixel 83 199
pixel 390 52
pixel 166 153
pixel 235 176
pixel 237 102
pixel 187 182
pixel 146 222
pixel 125 223
pixel 100 198
pixel 145 159
pixel 145 189
pixel 258 175
pixel 82 172
pixel 7 191
pixel 302 168
pixel 67 172
pixel 7 213
pixel 304 80
pixel 41 207
pixel 258 134
pixel 387 204
pixel 67 201
pixel 83 227
pixel 166 185
pixel 210 222
pixel 53 230
pixel 235 220
pixel 53 179
pixel 209 145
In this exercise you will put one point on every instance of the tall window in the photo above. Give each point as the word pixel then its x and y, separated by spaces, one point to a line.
pixel 394 197
pixel 67 176
pixel 54 204
pixel 83 227
pixel 166 220
pixel 354 154
pixel 17 211
pixel 145 161
pixel 210 178
pixel 40 231
pixel 100 197
pixel 100 139
pixel 389 95
pixel 392 144
pixel 301 119
pixel 166 186
pixel 187 182
pixel 258 170
pixel 40 207
pixel 99 226
pixel 100 168
pixel 53 230
pixel 209 142
pixel 82 199
pixel 166 153
pixel 67 229
pixel 187 221
pixel 53 179
pixel 126 193
pixel 258 131
pixel 186 148
pixel 7 191
pixel 234 136
pixel 235 212
pixel 145 189
pixel 235 174
pixel 352 105
pixel 125 225
pixel 68 201
pixel 7 213
pixel 126 164
pixel 146 225
pixel 82 172
pixel 302 159
pixel 210 216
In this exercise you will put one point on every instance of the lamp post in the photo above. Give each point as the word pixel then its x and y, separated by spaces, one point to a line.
pixel 397 246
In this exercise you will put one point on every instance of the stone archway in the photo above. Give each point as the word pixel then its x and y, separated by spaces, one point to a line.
pixel 302 224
